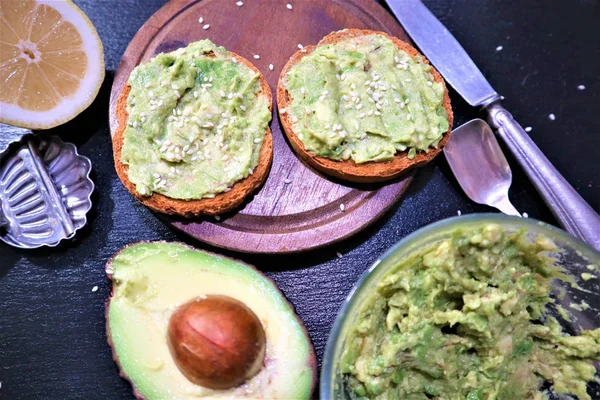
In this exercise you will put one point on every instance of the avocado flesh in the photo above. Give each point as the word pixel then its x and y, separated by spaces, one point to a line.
pixel 151 279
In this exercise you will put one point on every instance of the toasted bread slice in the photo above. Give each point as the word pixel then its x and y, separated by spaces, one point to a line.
pixel 222 202
pixel 349 170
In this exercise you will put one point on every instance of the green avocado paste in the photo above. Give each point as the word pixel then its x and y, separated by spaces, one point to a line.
pixel 466 319
pixel 364 99
pixel 196 123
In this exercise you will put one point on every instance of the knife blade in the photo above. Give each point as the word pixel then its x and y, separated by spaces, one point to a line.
pixel 444 51
pixel 459 70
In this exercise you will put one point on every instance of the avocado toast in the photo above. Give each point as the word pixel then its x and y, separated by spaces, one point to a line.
pixel 371 109
pixel 193 135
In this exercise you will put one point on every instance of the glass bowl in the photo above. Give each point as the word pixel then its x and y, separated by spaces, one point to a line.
pixel 574 255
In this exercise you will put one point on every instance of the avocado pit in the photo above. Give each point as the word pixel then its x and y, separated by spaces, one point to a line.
pixel 216 341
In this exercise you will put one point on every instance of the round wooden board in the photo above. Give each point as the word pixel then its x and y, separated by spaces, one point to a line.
pixel 280 218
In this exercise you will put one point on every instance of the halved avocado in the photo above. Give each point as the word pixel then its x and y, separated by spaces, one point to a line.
pixel 153 280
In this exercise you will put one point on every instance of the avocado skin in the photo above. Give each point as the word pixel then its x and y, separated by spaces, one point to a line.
pixel 312 360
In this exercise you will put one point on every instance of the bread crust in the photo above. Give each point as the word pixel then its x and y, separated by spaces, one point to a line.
pixel 222 202
pixel 348 170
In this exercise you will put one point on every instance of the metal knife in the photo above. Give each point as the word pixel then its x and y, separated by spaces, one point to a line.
pixel 455 65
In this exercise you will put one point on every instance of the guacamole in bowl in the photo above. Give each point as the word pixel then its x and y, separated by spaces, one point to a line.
pixel 478 307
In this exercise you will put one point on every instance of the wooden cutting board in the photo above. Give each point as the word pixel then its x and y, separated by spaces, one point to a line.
pixel 282 217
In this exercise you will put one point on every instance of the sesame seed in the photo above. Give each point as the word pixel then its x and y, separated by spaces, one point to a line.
pixel 322 97
pixel 370 113
pixel 271 67
pixel 300 46
pixel 234 60
pixel 499 48
pixel 528 129
pixel 408 117
pixel 250 171
pixel 408 80
pixel 95 288
pixel 459 212
pixel 147 85
pixel 361 115
pixel 302 90
pixel 359 106
pixel 239 3
pixel 195 95
pixel 230 96
pixel 205 27
pixel 256 57
pixel 225 157
pixel 552 117
pixel 327 126
pixel 222 93
pixel 239 95
pixel 287 181
pixel 288 6
pixel 283 111
pixel 243 108
pixel 430 83
pixel 581 87
pixel 377 113
pixel 338 254
pixel 201 20
pixel 342 207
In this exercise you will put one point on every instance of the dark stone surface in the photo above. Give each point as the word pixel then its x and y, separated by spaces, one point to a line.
pixel 52 343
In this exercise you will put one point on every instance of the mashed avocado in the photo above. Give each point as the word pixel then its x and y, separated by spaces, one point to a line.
pixel 465 319
pixel 196 125
pixel 365 100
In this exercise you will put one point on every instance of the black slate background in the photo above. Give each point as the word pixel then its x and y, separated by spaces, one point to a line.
pixel 52 339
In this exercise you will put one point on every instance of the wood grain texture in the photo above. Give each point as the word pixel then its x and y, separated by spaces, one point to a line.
pixel 297 208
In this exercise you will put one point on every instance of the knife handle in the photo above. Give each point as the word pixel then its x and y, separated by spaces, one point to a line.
pixel 569 208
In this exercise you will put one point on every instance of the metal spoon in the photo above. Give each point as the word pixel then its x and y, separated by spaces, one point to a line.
pixel 480 166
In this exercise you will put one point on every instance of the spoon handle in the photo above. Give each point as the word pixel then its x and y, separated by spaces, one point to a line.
pixel 569 208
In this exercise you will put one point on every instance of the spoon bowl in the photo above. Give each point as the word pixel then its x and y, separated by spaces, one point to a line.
pixel 479 165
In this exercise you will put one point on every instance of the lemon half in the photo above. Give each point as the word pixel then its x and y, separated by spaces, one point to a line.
pixel 51 62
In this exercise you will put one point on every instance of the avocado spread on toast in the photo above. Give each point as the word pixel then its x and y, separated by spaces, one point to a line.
pixel 196 123
pixel 467 318
pixel 363 99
